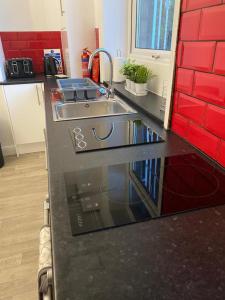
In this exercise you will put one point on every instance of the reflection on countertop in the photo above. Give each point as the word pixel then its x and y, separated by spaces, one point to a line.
pixel 116 195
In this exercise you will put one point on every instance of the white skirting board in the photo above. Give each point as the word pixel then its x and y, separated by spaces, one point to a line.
pixel 22 149
pixel 9 150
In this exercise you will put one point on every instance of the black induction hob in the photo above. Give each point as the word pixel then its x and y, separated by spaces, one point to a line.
pixel 113 135
pixel 116 195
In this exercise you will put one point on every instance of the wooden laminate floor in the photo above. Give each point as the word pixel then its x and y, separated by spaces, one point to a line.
pixel 23 187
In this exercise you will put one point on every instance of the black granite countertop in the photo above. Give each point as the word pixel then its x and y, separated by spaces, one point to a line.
pixel 178 257
pixel 150 104
pixel 36 79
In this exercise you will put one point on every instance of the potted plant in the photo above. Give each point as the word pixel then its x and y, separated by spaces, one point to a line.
pixel 137 77
pixel 128 70
pixel 132 77
pixel 142 75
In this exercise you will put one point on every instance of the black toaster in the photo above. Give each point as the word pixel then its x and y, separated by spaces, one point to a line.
pixel 19 68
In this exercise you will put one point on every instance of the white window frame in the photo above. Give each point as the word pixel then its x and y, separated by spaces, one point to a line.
pixel 151 54
pixel 166 58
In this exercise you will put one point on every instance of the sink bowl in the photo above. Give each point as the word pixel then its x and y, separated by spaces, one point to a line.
pixel 63 111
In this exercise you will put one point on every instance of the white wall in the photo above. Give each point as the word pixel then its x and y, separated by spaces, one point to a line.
pixel 45 14
pixel 98 12
pixel 112 20
pixel 65 50
pixel 114 26
pixel 81 31
pixel 28 15
pixel 82 16
pixel 14 14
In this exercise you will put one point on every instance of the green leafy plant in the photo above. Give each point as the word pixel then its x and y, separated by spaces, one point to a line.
pixel 129 69
pixel 135 72
pixel 143 74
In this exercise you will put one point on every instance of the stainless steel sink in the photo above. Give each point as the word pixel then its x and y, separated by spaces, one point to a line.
pixel 91 109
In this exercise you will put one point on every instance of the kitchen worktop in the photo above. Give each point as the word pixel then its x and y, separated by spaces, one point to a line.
pixel 151 104
pixel 177 257
pixel 36 79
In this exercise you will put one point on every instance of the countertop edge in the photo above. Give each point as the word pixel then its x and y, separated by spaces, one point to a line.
pixel 37 79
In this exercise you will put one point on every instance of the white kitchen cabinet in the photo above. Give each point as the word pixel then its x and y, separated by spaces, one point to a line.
pixel 6 138
pixel 26 109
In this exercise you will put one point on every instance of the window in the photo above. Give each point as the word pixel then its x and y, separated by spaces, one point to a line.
pixel 152 25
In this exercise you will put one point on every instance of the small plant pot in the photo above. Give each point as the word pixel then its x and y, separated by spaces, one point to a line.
pixel 128 84
pixel 141 88
pixel 132 87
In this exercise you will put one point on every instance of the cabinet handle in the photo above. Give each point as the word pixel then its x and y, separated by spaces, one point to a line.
pixel 61 8
pixel 39 102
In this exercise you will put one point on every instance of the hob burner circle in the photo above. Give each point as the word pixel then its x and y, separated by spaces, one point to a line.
pixel 190 181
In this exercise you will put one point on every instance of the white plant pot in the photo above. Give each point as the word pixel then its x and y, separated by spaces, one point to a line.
pixel 128 84
pixel 141 88
pixel 132 86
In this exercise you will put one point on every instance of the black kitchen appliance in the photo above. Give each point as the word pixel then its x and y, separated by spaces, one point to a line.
pixel 19 68
pixel 99 136
pixel 51 65
pixel 116 195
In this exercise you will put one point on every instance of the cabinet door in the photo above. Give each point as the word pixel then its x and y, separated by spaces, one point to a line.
pixel 26 113
pixel 6 138
pixel 40 94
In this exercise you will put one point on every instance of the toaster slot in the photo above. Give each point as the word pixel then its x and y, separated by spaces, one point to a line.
pixel 26 68
pixel 15 67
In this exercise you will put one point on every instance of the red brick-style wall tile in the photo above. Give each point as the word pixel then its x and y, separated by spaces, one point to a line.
pixel 184 80
pixel 195 4
pixel 199 91
pixel 221 156
pixel 179 53
pixel 190 20
pixel 180 125
pixel 203 139
pixel 30 44
pixel 198 56
pixel 215 120
pixel 191 108
pixel 212 23
pixel 176 99
pixel 184 5
pixel 210 87
pixel 219 62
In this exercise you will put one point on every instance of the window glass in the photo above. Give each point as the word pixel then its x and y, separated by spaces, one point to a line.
pixel 154 23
